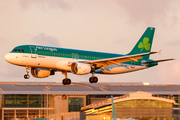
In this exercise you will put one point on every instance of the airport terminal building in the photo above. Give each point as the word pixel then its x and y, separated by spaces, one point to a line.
pixel 80 101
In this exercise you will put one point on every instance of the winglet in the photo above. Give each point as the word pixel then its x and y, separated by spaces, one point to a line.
pixel 159 52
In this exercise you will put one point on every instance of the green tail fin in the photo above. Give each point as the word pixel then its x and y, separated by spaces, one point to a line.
pixel 145 43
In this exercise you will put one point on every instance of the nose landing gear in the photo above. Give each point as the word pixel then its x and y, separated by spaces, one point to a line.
pixel 26 76
pixel 66 81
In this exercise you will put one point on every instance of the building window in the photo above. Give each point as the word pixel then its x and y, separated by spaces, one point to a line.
pixel 75 103
pixel 25 101
pixel 15 100
pixel 35 101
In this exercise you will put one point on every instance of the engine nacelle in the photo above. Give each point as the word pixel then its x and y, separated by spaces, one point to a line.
pixel 41 73
pixel 80 68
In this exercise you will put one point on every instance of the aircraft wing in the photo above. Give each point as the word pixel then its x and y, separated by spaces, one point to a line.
pixel 117 60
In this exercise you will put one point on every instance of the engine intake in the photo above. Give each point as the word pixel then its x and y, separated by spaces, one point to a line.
pixel 80 68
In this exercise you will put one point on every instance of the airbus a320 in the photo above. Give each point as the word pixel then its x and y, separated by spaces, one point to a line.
pixel 43 61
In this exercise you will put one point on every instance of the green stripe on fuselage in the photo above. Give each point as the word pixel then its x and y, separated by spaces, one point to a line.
pixel 70 53
pixel 67 53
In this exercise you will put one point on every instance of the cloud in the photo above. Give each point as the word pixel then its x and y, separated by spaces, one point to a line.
pixel 169 72
pixel 4 5
pixel 174 43
pixel 42 39
pixel 45 4
pixel 147 11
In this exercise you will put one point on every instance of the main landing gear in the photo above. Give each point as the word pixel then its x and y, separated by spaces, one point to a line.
pixel 93 79
pixel 66 81
pixel 26 76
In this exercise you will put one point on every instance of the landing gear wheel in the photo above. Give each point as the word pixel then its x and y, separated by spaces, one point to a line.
pixel 95 79
pixel 64 82
pixel 91 80
pixel 68 81
pixel 26 76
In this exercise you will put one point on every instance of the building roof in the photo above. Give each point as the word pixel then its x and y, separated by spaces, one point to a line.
pixel 86 88
pixel 131 96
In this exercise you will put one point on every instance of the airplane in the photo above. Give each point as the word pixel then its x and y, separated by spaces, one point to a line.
pixel 44 61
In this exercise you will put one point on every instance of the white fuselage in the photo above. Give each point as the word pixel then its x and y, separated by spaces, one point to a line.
pixel 63 64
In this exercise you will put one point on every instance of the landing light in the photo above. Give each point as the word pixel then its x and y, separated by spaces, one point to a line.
pixel 145 83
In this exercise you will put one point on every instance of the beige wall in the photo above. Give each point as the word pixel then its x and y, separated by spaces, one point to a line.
pixel 61 104
pixel 95 100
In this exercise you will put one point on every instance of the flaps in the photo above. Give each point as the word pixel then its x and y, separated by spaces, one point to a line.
pixel 123 58
pixel 116 60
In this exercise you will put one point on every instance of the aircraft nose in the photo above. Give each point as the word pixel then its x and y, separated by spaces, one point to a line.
pixel 8 57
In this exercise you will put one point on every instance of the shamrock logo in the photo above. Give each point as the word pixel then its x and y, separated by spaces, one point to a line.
pixel 145 44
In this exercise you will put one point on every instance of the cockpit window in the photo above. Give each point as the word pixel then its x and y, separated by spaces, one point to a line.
pixel 14 50
pixel 17 50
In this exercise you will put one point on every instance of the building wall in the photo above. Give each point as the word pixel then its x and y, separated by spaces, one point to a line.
pixel 138 105
pixel 107 116
pixel 62 104
pixel 94 100
pixel 0 101
pixel 26 106
pixel 143 108
pixel 72 116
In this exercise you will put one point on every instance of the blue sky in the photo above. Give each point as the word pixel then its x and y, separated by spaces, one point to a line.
pixel 108 26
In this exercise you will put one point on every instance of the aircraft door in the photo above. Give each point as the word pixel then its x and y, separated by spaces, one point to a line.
pixel 75 56
pixel 33 52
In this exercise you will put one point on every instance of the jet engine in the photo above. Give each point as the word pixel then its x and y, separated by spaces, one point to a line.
pixel 80 68
pixel 41 73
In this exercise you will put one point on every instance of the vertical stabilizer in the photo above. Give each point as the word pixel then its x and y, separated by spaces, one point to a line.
pixel 145 43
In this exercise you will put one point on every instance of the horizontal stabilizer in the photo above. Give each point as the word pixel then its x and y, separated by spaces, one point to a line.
pixel 157 61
